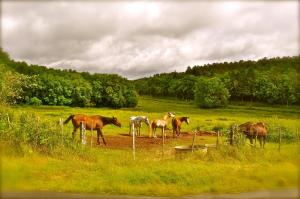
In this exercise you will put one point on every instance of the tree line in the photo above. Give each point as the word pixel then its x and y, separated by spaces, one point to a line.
pixel 35 85
pixel 274 81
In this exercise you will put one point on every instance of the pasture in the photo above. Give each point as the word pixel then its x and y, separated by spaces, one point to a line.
pixel 111 170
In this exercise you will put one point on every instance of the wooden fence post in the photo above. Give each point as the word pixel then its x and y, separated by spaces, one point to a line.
pixel 37 130
pixel 82 133
pixel 133 140
pixel 8 120
pixel 232 131
pixel 218 134
pixel 92 130
pixel 61 124
pixel 279 146
pixel 193 143
pixel 163 141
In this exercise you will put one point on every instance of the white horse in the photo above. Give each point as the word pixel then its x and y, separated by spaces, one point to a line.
pixel 135 123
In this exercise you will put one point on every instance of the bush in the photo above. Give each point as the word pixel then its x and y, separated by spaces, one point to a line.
pixel 210 93
pixel 29 130
pixel 35 101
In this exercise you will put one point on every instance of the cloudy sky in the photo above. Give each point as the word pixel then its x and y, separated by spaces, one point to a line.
pixel 137 39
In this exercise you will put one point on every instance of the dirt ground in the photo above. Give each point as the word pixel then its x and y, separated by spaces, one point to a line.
pixel 124 141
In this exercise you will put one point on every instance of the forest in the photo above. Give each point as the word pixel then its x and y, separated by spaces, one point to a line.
pixel 273 81
pixel 36 85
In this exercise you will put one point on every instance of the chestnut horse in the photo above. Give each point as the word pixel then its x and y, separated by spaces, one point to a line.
pixel 95 122
pixel 160 123
pixel 176 124
pixel 255 130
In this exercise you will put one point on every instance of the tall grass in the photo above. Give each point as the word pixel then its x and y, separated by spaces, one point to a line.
pixel 18 130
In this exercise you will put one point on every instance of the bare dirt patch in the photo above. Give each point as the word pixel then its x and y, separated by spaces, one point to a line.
pixel 124 141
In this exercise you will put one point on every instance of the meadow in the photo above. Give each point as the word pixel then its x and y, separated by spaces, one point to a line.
pixel 104 170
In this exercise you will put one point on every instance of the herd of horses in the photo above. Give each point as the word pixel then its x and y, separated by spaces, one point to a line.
pixel 251 130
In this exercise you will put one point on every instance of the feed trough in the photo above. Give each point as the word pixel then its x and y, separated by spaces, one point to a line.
pixel 180 150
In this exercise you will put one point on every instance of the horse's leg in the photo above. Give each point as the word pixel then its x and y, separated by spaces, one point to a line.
pixel 255 139
pixel 154 132
pixel 260 141
pixel 102 136
pixel 74 132
pixel 173 132
pixel 264 141
pixel 251 140
pixel 98 135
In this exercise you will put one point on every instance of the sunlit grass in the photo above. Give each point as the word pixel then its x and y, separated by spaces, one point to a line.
pixel 111 171
pixel 114 172
pixel 154 108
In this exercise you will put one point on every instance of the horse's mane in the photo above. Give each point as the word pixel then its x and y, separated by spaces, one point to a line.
pixel 105 119
pixel 166 116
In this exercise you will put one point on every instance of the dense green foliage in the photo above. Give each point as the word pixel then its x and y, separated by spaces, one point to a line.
pixel 32 84
pixel 275 81
pixel 211 93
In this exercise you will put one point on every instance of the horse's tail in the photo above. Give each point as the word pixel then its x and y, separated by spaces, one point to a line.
pixel 68 119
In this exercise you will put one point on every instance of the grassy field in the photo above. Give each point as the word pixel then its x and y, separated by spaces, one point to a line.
pixel 104 170
pixel 206 119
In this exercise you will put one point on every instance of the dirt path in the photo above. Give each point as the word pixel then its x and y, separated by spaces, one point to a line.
pixel 267 194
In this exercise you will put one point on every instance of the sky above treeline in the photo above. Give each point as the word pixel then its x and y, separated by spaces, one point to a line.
pixel 141 38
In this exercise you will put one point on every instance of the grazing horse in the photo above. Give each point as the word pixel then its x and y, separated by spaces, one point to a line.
pixel 176 124
pixel 160 123
pixel 95 122
pixel 255 130
pixel 136 122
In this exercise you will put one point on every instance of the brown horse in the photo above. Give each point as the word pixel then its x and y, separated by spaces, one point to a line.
pixel 160 123
pixel 255 130
pixel 95 122
pixel 176 124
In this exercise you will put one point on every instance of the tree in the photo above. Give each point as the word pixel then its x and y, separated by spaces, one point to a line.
pixel 12 86
pixel 211 92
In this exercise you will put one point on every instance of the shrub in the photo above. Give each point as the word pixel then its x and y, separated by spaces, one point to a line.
pixel 29 130
pixel 35 101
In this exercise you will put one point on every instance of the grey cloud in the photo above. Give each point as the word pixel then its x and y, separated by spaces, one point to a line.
pixel 142 38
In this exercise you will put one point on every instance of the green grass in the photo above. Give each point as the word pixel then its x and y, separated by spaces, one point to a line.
pixel 287 117
pixel 111 171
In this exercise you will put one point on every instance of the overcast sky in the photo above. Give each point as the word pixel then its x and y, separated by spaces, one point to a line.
pixel 136 39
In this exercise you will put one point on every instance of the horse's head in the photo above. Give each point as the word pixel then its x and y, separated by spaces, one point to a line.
pixel 116 122
pixel 171 114
pixel 187 120
pixel 147 121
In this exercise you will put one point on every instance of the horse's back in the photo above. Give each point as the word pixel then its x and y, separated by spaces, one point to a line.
pixel 78 118
pixel 259 129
